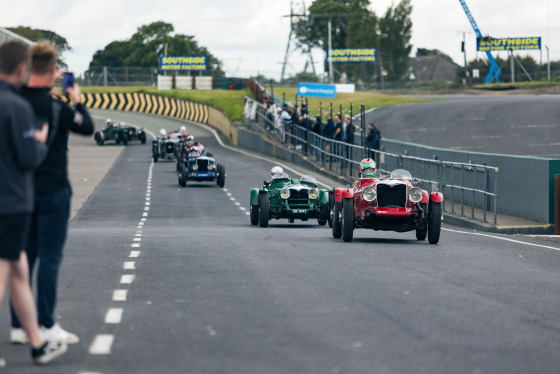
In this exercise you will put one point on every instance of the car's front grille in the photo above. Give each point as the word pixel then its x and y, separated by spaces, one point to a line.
pixel 298 197
pixel 391 196
pixel 202 165
pixel 169 147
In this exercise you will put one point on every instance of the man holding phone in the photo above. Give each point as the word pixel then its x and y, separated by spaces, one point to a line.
pixel 49 220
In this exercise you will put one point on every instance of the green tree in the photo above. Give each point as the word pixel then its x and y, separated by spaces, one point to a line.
pixel 60 43
pixel 150 42
pixel 395 33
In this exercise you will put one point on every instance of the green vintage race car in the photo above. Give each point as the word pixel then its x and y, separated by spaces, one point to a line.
pixel 120 133
pixel 282 197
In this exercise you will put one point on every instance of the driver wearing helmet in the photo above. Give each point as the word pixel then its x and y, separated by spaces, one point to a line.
pixel 190 140
pixel 162 133
pixel 276 172
pixel 367 168
pixel 182 129
pixel 194 151
pixel 108 123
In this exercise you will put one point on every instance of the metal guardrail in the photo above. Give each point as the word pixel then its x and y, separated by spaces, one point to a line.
pixel 461 183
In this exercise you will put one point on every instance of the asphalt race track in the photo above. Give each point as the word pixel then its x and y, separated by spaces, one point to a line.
pixel 519 125
pixel 202 291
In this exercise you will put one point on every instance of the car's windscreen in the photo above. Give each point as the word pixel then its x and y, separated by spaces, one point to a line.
pixel 400 174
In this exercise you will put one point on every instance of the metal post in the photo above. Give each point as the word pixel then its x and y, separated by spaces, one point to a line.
pixel 512 66
pixel 462 188
pixel 465 55
pixel 557 204
pixel 105 76
pixel 548 62
pixel 331 80
pixel 496 198
pixel 473 193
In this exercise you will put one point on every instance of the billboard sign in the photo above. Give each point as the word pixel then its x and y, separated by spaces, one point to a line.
pixel 506 44
pixel 316 90
pixel 176 63
pixel 352 55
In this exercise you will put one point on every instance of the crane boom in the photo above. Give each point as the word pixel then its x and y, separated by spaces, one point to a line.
pixel 495 71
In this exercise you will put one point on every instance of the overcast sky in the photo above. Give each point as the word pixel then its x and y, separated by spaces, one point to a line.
pixel 250 36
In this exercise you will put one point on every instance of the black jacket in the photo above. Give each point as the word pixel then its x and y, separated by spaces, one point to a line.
pixel 350 129
pixel 373 138
pixel 19 152
pixel 52 174
pixel 329 129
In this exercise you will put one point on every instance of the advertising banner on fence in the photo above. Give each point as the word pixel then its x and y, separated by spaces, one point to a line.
pixel 169 63
pixel 316 90
pixel 352 55
pixel 506 44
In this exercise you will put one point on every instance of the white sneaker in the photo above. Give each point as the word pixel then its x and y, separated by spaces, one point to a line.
pixel 48 352
pixel 18 336
pixel 57 334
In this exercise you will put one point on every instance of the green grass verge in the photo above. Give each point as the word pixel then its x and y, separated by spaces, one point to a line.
pixel 369 99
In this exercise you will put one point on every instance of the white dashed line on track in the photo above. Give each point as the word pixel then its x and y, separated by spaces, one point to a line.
pixel 134 254
pixel 127 278
pixel 114 316
pixel 129 265
pixel 119 295
pixel 101 344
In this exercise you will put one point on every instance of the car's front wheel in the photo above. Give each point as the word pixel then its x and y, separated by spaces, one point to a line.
pixel 221 181
pixel 99 138
pixel 336 220
pixel 347 219
pixel 254 209
pixel 183 176
pixel 434 223
pixel 331 207
pixel 422 232
pixel 264 210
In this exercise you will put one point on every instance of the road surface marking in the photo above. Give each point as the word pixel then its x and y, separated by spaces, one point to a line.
pixel 145 214
pixel 134 254
pixel 114 315
pixel 101 344
pixel 137 239
pixel 242 208
pixel 127 278
pixel 232 198
pixel 119 295
pixel 129 265
pixel 135 245
pixel 237 203
pixel 506 239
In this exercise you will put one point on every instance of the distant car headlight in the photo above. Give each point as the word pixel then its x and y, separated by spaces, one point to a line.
pixel 313 193
pixel 210 167
pixel 195 167
pixel 369 193
pixel 285 193
pixel 415 194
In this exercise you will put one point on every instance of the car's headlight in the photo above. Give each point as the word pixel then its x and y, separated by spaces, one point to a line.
pixel 369 193
pixel 195 167
pixel 415 194
pixel 210 167
pixel 313 193
pixel 285 193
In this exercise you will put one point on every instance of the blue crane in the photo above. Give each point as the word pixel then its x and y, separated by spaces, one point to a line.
pixel 495 71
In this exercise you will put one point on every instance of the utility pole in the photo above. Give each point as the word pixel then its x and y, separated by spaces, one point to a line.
pixel 548 63
pixel 463 47
pixel 329 55
pixel 512 66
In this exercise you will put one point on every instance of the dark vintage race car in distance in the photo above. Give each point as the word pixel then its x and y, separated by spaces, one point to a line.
pixel 390 203
pixel 167 147
pixel 282 197
pixel 120 133
pixel 201 168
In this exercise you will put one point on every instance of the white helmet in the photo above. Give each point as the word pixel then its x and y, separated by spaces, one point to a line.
pixel 190 140
pixel 276 172
pixel 194 151
pixel 108 120
pixel 182 129
pixel 162 132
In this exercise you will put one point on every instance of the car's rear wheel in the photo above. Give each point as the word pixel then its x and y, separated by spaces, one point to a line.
pixel 347 219
pixel 183 176
pixel 322 222
pixel 264 210
pixel 422 232
pixel 336 220
pixel 221 175
pixel 124 139
pixel 142 137
pixel 254 209
pixel 434 224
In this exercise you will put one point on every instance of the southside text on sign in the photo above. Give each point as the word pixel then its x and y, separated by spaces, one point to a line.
pixel 182 63
pixel 505 44
pixel 352 55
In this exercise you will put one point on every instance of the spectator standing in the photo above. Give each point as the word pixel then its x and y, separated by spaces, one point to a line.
pixel 373 141
pixel 19 142
pixel 49 221
pixel 269 114
pixel 350 129
pixel 329 131
pixel 337 135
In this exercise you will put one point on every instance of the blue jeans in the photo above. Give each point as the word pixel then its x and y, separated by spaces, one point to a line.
pixel 47 234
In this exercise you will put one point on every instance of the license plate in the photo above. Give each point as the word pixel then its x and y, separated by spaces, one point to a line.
pixel 299 211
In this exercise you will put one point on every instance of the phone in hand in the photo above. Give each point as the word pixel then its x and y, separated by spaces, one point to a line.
pixel 67 81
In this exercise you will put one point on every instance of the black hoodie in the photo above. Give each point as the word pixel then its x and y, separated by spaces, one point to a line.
pixel 52 174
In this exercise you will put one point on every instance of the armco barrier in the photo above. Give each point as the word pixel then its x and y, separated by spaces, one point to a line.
pixel 163 106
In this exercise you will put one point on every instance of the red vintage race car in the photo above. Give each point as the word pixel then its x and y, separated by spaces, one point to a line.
pixel 390 203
